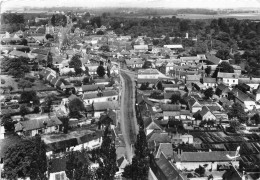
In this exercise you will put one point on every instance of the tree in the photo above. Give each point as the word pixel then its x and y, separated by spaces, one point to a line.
pixel 26 159
pixel 223 54
pixel 107 160
pixel 16 67
pixel 75 107
pixel 175 98
pixel 65 123
pixel 78 71
pixel 48 36
pixel 59 20
pixel 23 110
pixel 256 118
pixel 75 62
pixel 100 32
pixel 86 81
pixel 101 71
pixel 27 96
pixel 144 86
pixel 208 93
pixel 208 70
pixel 140 163
pixel 23 42
pixel 147 64
pixel 237 58
pixel 200 171
pixel 78 166
pixel 23 83
pixel 7 122
pixel 223 67
pixel 104 48
pixel 237 111
pixel 49 99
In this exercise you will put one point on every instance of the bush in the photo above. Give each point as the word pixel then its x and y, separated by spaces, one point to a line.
pixel 2 81
pixel 77 83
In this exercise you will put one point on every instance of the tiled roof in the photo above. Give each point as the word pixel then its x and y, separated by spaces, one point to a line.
pixel 168 169
pixel 92 87
pixel 158 137
pixel 100 106
pixel 37 123
pixel 193 77
pixel 205 156
pixel 228 75
pixel 222 87
pixel 167 150
pixel 249 80
pixel 213 59
pixel 148 71
pixel 209 80
pixel 150 81
pixel 170 107
pixel 58 164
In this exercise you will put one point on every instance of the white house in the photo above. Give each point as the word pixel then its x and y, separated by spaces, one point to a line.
pixel 38 124
pixel 148 74
pixel 102 96
pixel 209 82
pixel 214 160
pixel 229 79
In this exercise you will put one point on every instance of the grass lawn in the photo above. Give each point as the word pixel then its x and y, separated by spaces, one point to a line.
pixel 9 81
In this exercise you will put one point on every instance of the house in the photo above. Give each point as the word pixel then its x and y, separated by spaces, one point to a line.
pixel 209 82
pixel 148 74
pixel 237 69
pixel 134 63
pixel 101 107
pixel 229 79
pixel 222 90
pixel 170 110
pixel 140 48
pixel 213 159
pixel 195 79
pixel 91 88
pixel 103 81
pixel 38 124
pixel 151 124
pixel 174 46
pixel 155 138
pixel 57 169
pixel 121 164
pixel 194 105
pixel 253 83
pixel 181 138
pixel 101 96
pixel 166 149
pixel 189 60
pixel 205 114
pixel 244 99
pixel 165 170
pixel 212 59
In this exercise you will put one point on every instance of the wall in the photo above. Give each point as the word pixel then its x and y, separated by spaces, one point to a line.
pixel 61 174
pixel 100 99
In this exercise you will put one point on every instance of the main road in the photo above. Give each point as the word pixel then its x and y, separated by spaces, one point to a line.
pixel 128 121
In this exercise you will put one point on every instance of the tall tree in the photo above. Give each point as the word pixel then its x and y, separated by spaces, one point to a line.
pixel 223 54
pixel 23 110
pixel 26 159
pixel 75 62
pixel 208 93
pixel 237 111
pixel 107 161
pixel 101 71
pixel 140 163
pixel 78 166
pixel 27 96
pixel 75 107
pixel 208 70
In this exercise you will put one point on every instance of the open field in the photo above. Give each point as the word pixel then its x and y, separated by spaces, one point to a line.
pixel 240 16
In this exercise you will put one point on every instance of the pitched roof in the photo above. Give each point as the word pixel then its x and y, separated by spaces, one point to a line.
pixel 212 58
pixel 148 71
pixel 100 106
pixel 168 169
pixel 153 122
pixel 37 123
pixel 18 53
pixel 150 81
pixel 134 61
pixel 58 164
pixel 193 77
pixel 92 87
pixel 228 75
pixel 158 137
pixel 95 95
pixel 40 51
pixel 170 107
pixel 205 156
pixel 209 80
pixel 203 111
pixel 241 95
pixel 173 46
pixel 223 87
pixel 249 80
pixel 167 150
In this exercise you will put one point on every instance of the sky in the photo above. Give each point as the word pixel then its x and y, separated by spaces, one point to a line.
pixel 10 4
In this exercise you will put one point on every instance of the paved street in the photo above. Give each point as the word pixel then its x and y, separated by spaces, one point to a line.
pixel 128 119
